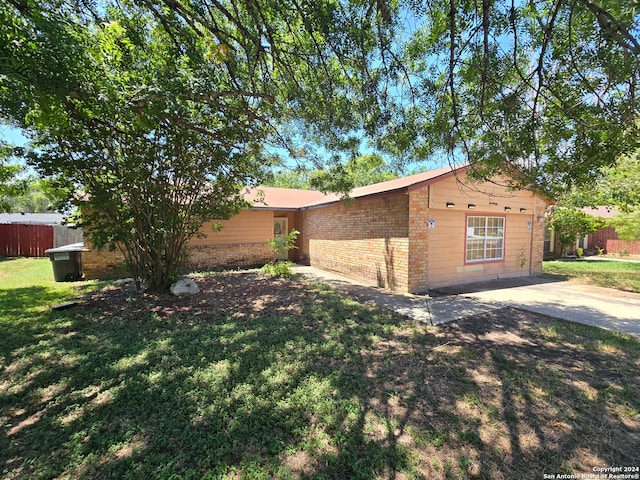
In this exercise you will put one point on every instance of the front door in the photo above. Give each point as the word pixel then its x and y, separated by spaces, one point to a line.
pixel 281 229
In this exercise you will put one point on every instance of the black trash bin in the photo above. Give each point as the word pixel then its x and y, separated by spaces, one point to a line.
pixel 67 262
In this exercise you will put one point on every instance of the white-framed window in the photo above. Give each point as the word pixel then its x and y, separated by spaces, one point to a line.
pixel 485 238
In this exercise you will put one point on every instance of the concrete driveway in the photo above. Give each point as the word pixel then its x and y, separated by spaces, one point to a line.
pixel 602 307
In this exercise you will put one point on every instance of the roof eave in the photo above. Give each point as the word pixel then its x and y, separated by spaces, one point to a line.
pixel 275 209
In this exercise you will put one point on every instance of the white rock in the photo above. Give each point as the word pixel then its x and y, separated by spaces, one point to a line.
pixel 185 286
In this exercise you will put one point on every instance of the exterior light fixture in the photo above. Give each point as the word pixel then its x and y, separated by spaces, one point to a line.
pixel 522 210
pixel 471 206
pixel 507 209
pixel 450 204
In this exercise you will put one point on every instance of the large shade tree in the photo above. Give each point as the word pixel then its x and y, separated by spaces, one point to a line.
pixel 358 171
pixel 160 113
pixel 545 91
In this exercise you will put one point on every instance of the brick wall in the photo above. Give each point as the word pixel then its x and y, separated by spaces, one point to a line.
pixel 366 239
pixel 110 264
pixel 418 240
pixel 103 263
pixel 608 239
pixel 203 257
pixel 537 242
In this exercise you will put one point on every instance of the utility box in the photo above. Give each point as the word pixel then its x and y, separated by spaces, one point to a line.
pixel 67 262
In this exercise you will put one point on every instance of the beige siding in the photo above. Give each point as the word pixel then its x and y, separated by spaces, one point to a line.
pixel 249 226
pixel 454 190
pixel 447 263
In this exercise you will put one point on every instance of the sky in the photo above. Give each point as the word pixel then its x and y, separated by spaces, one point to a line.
pixel 12 135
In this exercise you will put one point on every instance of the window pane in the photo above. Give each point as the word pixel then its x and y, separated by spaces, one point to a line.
pixel 494 249
pixel 485 238
pixel 475 249
pixel 476 226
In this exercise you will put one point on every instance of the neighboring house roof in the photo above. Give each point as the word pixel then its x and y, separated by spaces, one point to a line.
pixel 603 211
pixel 32 218
pixel 292 199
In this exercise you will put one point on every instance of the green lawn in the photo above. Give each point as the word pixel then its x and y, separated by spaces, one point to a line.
pixel 260 378
pixel 604 273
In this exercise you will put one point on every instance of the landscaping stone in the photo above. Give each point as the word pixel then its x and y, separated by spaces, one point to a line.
pixel 185 286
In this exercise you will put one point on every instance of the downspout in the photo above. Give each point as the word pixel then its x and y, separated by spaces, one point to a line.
pixel 531 241
pixel 428 234
pixel 531 235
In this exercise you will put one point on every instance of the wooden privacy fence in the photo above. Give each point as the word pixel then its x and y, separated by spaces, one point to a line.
pixel 25 240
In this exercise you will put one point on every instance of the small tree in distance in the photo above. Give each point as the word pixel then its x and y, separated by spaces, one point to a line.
pixel 571 223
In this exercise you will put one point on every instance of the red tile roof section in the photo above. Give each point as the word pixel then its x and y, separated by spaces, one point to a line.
pixel 292 199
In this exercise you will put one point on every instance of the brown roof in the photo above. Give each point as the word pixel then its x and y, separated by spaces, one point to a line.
pixel 292 199
pixel 272 198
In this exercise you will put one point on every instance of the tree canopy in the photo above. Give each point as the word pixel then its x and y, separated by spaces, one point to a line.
pixel 10 185
pixel 160 113
pixel 542 90
pixel 617 187
pixel 356 172
pixel 571 223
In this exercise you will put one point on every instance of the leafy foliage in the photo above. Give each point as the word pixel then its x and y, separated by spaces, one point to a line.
pixel 570 223
pixel 36 196
pixel 161 113
pixel 618 187
pixel 279 269
pixel 545 92
pixel 358 171
pixel 10 186
pixel 283 243
pixel 627 224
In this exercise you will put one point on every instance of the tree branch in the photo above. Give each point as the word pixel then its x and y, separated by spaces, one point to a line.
pixel 613 27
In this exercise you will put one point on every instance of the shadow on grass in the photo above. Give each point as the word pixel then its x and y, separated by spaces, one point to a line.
pixel 262 379
pixel 24 316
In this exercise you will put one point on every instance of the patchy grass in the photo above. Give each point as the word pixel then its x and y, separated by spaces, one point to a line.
pixel 259 378
pixel 614 274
